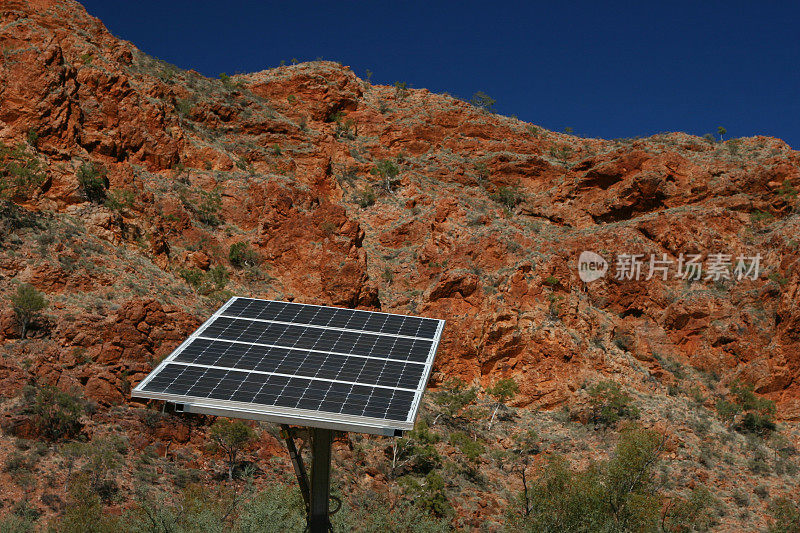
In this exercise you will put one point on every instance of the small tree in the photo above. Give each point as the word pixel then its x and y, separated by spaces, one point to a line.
pixel 21 173
pixel 241 255
pixel 55 414
pixel 27 303
pixel 387 171
pixel 210 207
pixel 232 437
pixel 400 90
pixel 482 101
pixel 93 181
pixel 610 404
pixel 502 391
pixel 510 197
pixel 453 397
pixel 722 131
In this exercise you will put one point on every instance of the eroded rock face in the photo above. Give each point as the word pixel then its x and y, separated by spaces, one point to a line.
pixel 481 225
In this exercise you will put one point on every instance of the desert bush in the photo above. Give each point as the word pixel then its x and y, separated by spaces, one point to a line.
pixel 27 303
pixel 231 437
pixel 561 154
pixel 610 404
pixel 749 412
pixel 55 414
pixel 218 277
pixel 510 197
pixel 429 494
pixel 387 171
pixel 503 390
pixel 482 101
pixel 785 516
pixel 400 90
pixel 192 276
pixel 84 512
pixel 614 495
pixel 93 181
pixel 21 173
pixel 453 397
pixel 365 197
pixel 470 448
pixel 241 255
pixel 209 208
pixel 694 513
pixel 415 452
pixel 99 461
pixel 119 200
pixel 374 514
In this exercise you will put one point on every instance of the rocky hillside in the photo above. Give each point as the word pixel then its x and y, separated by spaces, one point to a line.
pixel 138 196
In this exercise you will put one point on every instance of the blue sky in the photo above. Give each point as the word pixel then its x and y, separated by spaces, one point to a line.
pixel 611 70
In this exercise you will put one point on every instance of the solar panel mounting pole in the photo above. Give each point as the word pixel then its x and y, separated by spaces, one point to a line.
pixel 318 518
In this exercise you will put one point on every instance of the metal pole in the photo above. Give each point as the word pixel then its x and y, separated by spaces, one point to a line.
pixel 318 519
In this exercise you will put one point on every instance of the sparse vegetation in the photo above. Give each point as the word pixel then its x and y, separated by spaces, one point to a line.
pixel 400 90
pixel 21 173
pixel 482 101
pixel 503 390
pixel 210 207
pixel 241 255
pixel 453 396
pixel 365 197
pixel 55 414
pixel 610 404
pixel 510 197
pixel 28 304
pixel 615 495
pixel 231 437
pixel 387 171
pixel 93 182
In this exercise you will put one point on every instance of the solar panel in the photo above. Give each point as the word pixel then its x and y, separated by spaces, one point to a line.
pixel 302 364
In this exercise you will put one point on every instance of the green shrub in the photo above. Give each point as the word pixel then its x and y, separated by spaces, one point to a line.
pixel 231 437
pixel 430 495
pixel 101 459
pixel 210 207
pixel 785 516
pixel 758 414
pixel 508 196
pixel 218 276
pixel 472 449
pixel 400 90
pixel 28 304
pixel 55 414
pixel 416 451
pixel 482 101
pixel 387 171
pixel 453 397
pixel 615 495
pixel 84 512
pixel 192 276
pixel 241 255
pixel 365 197
pixel 119 200
pixel 610 404
pixel 503 390
pixel 93 181
pixel 374 514
pixel 21 173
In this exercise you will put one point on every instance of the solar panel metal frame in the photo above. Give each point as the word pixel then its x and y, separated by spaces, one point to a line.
pixel 290 415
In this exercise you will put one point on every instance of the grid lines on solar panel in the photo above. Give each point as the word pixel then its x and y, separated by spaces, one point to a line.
pixel 318 339
pixel 282 391
pixel 333 317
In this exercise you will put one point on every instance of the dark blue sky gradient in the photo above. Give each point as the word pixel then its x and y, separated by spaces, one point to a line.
pixel 613 70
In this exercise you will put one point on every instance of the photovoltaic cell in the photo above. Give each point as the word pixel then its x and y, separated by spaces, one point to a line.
pixel 354 367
